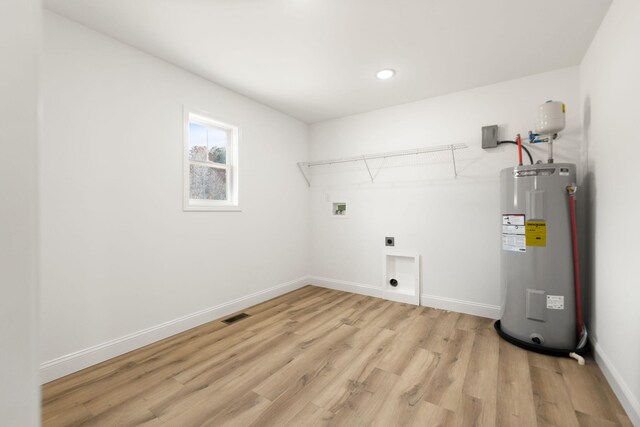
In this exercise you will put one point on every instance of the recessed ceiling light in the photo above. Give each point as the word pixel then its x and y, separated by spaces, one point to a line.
pixel 385 74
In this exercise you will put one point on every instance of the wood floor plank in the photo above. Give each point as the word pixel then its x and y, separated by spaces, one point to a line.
pixel 353 376
pixel 481 380
pixel 116 395
pixel 331 300
pixel 587 420
pixel 401 406
pixel 429 312
pixel 516 405
pixel 589 392
pixel 553 404
pixel 300 391
pixel 363 404
pixel 209 391
pixel 445 387
pixel 442 331
pixel 331 311
pixel 607 391
pixel 470 413
pixel 318 357
pixel 311 416
pixel 432 415
pixel 544 361
pixel 202 399
pixel 407 339
pixel 241 412
pixel 225 351
pixel 73 415
pixel 140 399
pixel 398 315
pixel 306 363
pixel 129 415
pixel 473 323
pixel 374 315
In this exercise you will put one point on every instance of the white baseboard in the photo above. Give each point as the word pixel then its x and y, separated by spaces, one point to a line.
pixel 81 359
pixel 343 285
pixel 629 402
pixel 461 306
pixel 444 303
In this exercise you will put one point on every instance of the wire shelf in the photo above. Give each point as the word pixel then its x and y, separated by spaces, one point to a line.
pixel 365 157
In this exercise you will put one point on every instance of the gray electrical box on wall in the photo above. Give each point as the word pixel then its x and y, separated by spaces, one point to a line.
pixel 490 136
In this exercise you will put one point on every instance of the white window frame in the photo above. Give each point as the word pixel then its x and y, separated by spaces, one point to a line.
pixel 232 203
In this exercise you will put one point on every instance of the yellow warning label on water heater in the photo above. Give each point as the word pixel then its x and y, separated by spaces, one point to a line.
pixel 536 233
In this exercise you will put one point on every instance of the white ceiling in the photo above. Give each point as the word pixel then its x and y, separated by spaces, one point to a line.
pixel 317 59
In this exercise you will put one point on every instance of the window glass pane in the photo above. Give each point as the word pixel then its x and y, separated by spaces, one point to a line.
pixel 208 143
pixel 197 142
pixel 207 183
pixel 217 144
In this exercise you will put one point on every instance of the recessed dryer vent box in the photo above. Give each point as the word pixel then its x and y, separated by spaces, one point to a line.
pixel 401 277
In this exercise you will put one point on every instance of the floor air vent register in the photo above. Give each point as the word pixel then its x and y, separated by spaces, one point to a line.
pixel 236 318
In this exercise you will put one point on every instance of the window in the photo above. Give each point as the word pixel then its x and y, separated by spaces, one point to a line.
pixel 211 164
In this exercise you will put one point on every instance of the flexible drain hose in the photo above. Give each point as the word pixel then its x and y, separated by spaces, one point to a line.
pixel 571 189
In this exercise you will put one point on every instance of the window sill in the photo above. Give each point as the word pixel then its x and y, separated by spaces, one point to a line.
pixel 212 209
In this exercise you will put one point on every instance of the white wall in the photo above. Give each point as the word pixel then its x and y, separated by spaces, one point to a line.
pixel 454 224
pixel 19 55
pixel 119 255
pixel 610 89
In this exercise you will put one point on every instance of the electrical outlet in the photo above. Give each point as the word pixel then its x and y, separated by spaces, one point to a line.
pixel 389 241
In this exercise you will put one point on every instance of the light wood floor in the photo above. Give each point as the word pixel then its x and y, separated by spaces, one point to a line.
pixel 322 357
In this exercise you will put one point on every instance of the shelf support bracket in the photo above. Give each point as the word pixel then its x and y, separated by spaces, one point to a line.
pixel 453 157
pixel 384 160
pixel 368 170
pixel 304 175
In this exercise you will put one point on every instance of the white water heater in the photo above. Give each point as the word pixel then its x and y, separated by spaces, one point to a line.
pixel 538 306
pixel 539 262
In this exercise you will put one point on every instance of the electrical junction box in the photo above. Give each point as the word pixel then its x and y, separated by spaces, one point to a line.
pixel 490 136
